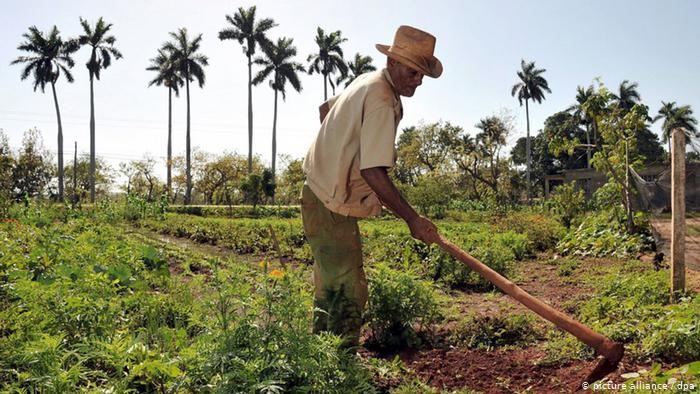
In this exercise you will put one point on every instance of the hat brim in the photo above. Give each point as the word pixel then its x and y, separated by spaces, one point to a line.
pixel 432 66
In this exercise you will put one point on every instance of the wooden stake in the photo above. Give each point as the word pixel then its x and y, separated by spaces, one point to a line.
pixel 677 213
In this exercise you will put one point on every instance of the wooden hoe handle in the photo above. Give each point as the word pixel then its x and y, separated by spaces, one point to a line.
pixel 602 345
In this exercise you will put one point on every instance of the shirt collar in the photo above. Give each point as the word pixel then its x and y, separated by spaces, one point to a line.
pixel 391 82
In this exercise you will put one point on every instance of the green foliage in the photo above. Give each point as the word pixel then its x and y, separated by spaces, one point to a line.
pixel 489 332
pixel 633 307
pixel 598 236
pixel 256 187
pixel 82 306
pixel 399 305
pixel 568 201
pixel 432 195
pixel 267 345
pixel 238 211
pixel 136 207
pixel 683 379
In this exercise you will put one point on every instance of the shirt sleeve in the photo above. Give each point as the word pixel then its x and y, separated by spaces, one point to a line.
pixel 377 138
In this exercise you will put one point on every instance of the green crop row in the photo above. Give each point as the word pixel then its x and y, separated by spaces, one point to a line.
pixel 84 308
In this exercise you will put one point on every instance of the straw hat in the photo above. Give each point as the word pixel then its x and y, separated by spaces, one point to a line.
pixel 414 48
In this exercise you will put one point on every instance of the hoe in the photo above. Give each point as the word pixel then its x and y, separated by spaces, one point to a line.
pixel 610 351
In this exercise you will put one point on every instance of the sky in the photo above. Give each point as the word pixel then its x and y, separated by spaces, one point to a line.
pixel 480 44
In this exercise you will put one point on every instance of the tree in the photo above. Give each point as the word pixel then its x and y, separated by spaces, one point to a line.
pixel 329 58
pixel 256 187
pixel 189 64
pixel 279 62
pixel 358 66
pixel 531 86
pixel 216 173
pixel 288 188
pixel 101 51
pixel 32 171
pixel 628 95
pixel 424 149
pixel 480 156
pixel 167 75
pixel 584 118
pixel 676 118
pixel 50 56
pixel 7 165
pixel 81 172
pixel 245 29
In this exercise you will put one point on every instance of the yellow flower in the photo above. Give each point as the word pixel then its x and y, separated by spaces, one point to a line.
pixel 277 274
pixel 263 264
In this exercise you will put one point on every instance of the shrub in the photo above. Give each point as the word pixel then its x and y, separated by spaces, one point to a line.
pixel 399 305
pixel 599 236
pixel 443 268
pixel 567 202
pixel 489 332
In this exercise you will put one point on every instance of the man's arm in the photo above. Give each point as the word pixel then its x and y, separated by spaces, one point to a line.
pixel 379 181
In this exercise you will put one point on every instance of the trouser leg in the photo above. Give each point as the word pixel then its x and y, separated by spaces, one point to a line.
pixel 340 284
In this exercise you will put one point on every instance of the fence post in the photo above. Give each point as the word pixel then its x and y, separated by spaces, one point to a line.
pixel 677 212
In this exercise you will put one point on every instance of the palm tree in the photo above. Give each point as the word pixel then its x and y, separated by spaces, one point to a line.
pixel 329 58
pixel 628 95
pixel 168 76
pixel 279 62
pixel 583 117
pixel 49 56
pixel 677 118
pixel 189 65
pixel 531 86
pixel 102 50
pixel 358 66
pixel 245 29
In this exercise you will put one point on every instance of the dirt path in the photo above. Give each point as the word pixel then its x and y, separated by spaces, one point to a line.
pixel 662 234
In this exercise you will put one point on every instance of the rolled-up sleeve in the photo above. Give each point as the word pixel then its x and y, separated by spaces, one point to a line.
pixel 377 138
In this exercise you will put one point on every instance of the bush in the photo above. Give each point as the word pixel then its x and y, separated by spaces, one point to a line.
pixel 443 268
pixel 238 211
pixel 567 202
pixel 488 332
pixel 399 305
pixel 599 236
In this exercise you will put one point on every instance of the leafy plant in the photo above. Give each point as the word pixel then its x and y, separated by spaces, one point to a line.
pixel 399 306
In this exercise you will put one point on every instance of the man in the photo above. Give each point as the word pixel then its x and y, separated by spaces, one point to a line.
pixel 346 178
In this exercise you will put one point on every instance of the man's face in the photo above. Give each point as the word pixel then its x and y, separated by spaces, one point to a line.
pixel 406 79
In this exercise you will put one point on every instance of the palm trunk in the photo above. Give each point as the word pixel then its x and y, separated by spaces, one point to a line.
pixel 527 150
pixel 188 187
pixel 92 141
pixel 274 142
pixel 60 144
pixel 250 116
pixel 170 140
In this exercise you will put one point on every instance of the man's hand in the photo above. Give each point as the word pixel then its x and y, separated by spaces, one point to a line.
pixel 424 230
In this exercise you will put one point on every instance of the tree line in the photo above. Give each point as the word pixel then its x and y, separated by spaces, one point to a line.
pixel 178 63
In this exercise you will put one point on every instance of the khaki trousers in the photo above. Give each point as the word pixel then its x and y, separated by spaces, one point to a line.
pixel 340 284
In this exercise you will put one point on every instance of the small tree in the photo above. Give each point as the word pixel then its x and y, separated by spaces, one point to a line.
pixel 256 187
pixel 33 169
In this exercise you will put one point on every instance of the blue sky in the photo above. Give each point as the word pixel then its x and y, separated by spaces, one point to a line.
pixel 480 44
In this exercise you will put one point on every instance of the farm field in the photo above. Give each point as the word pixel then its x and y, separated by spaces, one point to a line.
pixel 115 299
